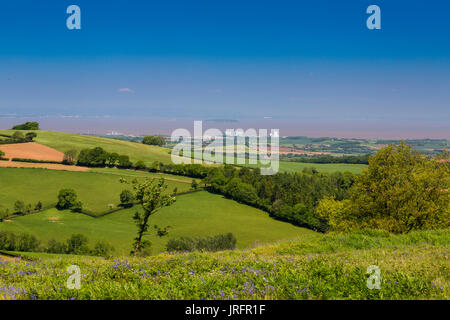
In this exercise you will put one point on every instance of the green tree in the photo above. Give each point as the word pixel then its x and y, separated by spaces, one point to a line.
pixel 126 198
pixel 194 184
pixel 152 197
pixel 54 246
pixel 38 206
pixel 112 159
pixel 30 125
pixel 124 162
pixel 29 136
pixel 154 140
pixel 70 156
pixel 67 198
pixel 19 207
pixel 140 165
pixel 402 190
pixel 18 136
pixel 77 206
pixel 77 244
pixel 102 249
pixel 95 157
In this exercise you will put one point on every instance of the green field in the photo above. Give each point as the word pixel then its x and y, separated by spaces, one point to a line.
pixel 66 141
pixel 311 267
pixel 287 166
pixel 137 151
pixel 195 214
pixel 96 190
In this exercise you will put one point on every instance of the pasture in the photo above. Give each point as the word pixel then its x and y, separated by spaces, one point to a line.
pixel 287 166
pixel 195 214
pixel 95 189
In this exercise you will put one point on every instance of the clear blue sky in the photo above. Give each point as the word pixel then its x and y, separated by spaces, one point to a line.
pixel 306 60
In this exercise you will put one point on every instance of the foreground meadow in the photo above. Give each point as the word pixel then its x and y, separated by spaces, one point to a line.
pixel 413 266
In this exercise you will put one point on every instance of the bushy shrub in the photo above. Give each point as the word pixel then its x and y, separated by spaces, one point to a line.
pixel 126 198
pixel 19 207
pixel 54 246
pixel 70 157
pixel 214 243
pixel 77 244
pixel 102 249
pixel 140 165
pixel 67 199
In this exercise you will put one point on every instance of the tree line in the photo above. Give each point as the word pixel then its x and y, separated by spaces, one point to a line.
pixel 17 137
pixel 76 244
pixel 362 159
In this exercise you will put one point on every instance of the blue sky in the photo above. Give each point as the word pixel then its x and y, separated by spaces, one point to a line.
pixel 305 60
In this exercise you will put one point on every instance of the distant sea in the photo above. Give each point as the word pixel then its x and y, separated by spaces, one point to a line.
pixel 287 127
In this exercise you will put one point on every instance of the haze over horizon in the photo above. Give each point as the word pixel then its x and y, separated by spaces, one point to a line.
pixel 309 69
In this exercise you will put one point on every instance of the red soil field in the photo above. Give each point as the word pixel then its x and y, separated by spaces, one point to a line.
pixel 35 151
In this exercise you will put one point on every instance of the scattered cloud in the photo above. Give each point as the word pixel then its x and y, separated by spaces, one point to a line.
pixel 125 90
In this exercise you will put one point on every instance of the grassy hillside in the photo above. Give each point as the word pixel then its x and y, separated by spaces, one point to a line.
pixel 96 190
pixel 314 266
pixel 66 141
pixel 137 151
pixel 196 214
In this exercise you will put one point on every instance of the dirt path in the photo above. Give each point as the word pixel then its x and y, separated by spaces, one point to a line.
pixel 53 166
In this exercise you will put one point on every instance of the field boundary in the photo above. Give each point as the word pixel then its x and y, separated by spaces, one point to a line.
pixel 88 212
pixel 105 213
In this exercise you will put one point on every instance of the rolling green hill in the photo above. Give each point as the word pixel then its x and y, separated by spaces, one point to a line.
pixel 66 141
pixel 96 189
pixel 195 214
pixel 137 151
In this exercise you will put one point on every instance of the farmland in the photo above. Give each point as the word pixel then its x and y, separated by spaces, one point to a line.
pixel 195 214
pixel 286 166
pixel 66 141
pixel 95 189
pixel 137 151
pixel 273 259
